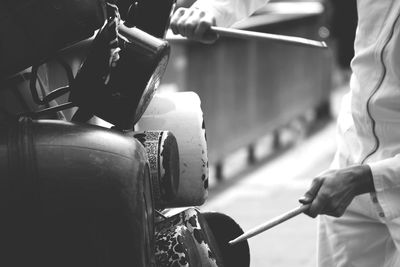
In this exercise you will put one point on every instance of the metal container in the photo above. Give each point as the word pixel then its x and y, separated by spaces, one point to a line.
pixel 193 238
pixel 73 195
pixel 131 83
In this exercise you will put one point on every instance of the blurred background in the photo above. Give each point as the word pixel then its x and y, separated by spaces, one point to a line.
pixel 270 111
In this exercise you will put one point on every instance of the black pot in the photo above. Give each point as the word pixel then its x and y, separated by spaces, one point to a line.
pixel 73 195
pixel 121 98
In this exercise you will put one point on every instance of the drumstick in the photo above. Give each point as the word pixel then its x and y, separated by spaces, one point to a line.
pixel 242 34
pixel 268 225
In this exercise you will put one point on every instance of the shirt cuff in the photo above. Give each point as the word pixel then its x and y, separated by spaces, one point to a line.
pixel 217 10
pixel 386 177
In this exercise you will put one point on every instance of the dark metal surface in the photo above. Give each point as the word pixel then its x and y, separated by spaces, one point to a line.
pixel 73 195
pixel 133 80
pixel 31 31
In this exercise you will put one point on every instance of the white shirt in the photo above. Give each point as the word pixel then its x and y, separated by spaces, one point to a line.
pixel 228 12
pixel 369 121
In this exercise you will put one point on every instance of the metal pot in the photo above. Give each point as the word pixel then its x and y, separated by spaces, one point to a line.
pixel 120 94
pixel 73 194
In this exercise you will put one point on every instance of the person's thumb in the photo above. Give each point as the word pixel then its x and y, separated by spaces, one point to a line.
pixel 312 192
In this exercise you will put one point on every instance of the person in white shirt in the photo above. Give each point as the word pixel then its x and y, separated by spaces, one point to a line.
pixel 358 198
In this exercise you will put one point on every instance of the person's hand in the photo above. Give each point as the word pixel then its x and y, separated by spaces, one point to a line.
pixel 332 191
pixel 194 24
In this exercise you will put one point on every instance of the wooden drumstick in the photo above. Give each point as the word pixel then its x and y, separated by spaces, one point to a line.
pixel 242 34
pixel 268 225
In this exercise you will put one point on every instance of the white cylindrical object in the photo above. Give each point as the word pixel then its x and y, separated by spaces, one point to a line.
pixel 181 114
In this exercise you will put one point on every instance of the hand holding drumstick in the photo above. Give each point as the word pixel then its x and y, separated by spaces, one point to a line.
pixel 194 24
pixel 330 193
pixel 199 25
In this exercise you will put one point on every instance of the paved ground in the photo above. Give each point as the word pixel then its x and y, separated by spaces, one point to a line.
pixel 272 189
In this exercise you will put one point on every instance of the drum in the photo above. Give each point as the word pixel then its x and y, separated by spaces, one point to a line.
pixel 73 195
pixel 163 155
pixel 192 238
pixel 181 114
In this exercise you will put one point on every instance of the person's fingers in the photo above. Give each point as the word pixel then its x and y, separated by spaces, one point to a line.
pixel 175 18
pixel 182 22
pixel 304 200
pixel 191 24
pixel 312 191
pixel 194 24
pixel 204 24
pixel 203 29
pixel 203 32
pixel 316 207
pixel 210 37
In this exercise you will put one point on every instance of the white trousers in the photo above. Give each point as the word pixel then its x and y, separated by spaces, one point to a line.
pixel 360 238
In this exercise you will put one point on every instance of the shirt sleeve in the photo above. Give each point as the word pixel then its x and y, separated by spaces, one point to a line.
pixel 227 12
pixel 386 176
